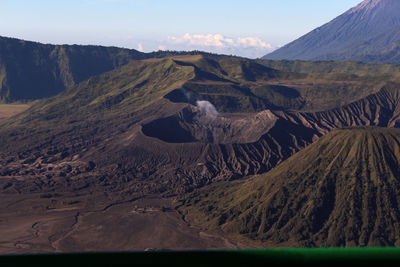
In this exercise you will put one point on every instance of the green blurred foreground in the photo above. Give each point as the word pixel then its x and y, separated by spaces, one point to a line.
pixel 258 257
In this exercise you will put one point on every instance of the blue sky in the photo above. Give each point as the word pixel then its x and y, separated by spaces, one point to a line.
pixel 247 27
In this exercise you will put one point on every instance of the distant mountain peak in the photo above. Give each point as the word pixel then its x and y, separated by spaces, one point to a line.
pixel 368 32
pixel 366 5
pixel 388 7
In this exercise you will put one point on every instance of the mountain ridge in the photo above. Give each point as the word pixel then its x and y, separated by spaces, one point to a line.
pixel 142 122
pixel 54 68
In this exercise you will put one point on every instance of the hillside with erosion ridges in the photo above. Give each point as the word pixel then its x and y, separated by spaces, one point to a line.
pixel 101 121
pixel 343 190
pixel 140 128
pixel 368 32
pixel 116 148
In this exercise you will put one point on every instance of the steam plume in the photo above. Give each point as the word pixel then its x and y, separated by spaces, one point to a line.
pixel 206 108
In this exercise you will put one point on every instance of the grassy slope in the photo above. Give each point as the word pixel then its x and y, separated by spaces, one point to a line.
pixel 31 70
pixel 340 191
pixel 231 84
pixel 329 66
pixel 94 106
pixel 9 110
pixel 99 103
pixel 241 85
pixel 132 87
pixel 52 69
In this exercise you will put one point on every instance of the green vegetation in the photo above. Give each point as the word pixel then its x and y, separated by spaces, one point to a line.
pixel 326 255
pixel 247 257
pixel 30 70
pixel 231 84
pixel 131 87
pixel 91 137
pixel 349 67
pixel 53 69
pixel 339 191
pixel 96 104
pixel 241 85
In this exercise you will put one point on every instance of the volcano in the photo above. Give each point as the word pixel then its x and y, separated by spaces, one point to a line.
pixel 342 190
pixel 368 32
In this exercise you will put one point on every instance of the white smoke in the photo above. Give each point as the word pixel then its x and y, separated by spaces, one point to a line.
pixel 188 95
pixel 207 109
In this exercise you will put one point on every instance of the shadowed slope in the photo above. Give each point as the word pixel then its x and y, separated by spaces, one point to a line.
pixel 30 70
pixel 343 190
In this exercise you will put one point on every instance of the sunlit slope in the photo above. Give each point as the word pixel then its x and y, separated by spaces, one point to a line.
pixel 342 190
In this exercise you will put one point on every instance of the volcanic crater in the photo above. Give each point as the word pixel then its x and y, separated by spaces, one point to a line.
pixel 192 124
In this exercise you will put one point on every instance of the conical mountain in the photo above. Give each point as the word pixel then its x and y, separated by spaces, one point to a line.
pixel 369 32
pixel 343 190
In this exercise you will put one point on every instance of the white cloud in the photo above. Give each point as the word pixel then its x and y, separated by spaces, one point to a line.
pixel 209 40
pixel 253 42
pixel 247 46
pixel 217 43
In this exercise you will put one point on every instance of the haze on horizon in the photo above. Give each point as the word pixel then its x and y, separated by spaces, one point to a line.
pixel 250 29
